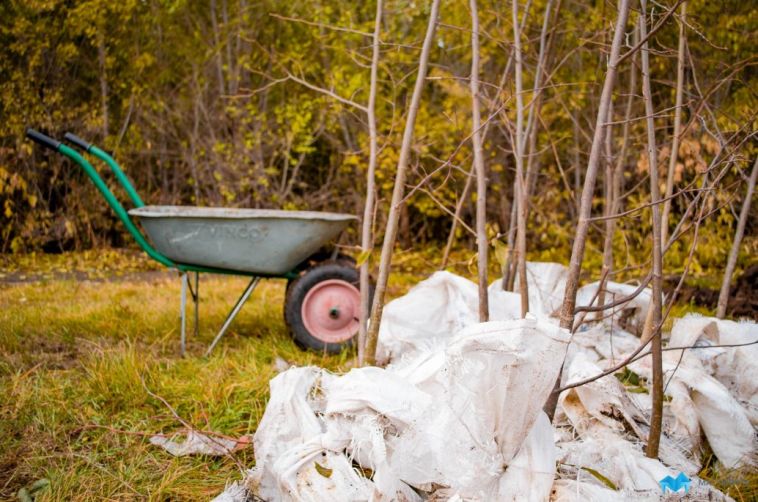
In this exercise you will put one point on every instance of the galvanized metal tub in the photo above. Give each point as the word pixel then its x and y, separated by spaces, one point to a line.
pixel 263 241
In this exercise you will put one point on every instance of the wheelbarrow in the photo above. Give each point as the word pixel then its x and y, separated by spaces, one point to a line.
pixel 322 301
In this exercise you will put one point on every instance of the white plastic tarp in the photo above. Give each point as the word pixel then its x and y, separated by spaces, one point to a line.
pixel 457 414
pixel 459 420
pixel 425 318
pixel 546 283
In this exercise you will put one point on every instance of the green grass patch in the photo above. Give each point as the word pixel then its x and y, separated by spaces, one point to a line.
pixel 75 358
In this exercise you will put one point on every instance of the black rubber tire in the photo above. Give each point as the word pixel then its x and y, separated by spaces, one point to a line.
pixel 298 288
pixel 318 259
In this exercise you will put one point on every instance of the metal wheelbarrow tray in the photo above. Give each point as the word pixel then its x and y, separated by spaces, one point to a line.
pixel 322 301
pixel 261 241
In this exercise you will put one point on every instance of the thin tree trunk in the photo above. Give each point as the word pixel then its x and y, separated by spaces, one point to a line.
pixel 217 49
pixel 577 165
pixel 397 193
pixel 617 182
pixel 520 184
pixel 536 103
pixel 367 240
pixel 510 262
pixel 231 63
pixel 735 251
pixel 608 187
pixel 583 223
pixel 677 125
pixel 481 181
pixel 656 418
pixel 458 211
pixel 103 81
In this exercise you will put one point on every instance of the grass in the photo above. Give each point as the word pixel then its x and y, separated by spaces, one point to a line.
pixel 73 406
pixel 78 353
pixel 76 357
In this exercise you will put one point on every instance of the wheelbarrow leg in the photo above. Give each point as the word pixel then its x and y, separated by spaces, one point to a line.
pixel 197 304
pixel 183 340
pixel 195 294
pixel 235 310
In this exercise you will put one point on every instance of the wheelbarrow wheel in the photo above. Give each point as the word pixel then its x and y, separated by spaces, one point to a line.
pixel 322 306
pixel 321 258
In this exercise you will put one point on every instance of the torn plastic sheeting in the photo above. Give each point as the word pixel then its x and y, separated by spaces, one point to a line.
pixel 486 394
pixel 614 290
pixel 616 459
pixel 235 492
pixel 598 401
pixel 695 393
pixel 376 391
pixel 197 443
pixel 606 341
pixel 735 367
pixel 546 283
pixel 289 418
pixel 568 490
pixel 488 369
pixel 530 475
pixel 317 471
pixel 734 444
pixel 606 404
pixel 449 417
pixel 434 310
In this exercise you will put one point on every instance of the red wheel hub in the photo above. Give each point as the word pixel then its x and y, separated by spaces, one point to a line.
pixel 330 311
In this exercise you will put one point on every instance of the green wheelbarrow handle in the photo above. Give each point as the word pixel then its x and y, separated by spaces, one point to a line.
pixel 72 154
pixel 102 155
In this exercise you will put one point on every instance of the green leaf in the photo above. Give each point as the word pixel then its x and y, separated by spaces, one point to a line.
pixel 500 253
pixel 324 471
pixel 637 390
pixel 362 257
pixel 607 482
pixel 628 377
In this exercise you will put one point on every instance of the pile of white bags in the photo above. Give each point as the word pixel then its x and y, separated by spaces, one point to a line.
pixel 457 413
pixel 466 420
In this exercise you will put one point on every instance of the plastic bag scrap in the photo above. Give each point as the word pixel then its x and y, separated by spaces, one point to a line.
pixel 197 443
pixel 468 419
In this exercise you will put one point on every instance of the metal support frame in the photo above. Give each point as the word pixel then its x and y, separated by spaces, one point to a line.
pixel 235 310
pixel 195 294
pixel 183 307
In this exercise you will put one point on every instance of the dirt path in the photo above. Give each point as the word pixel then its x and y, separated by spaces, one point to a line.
pixel 32 277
